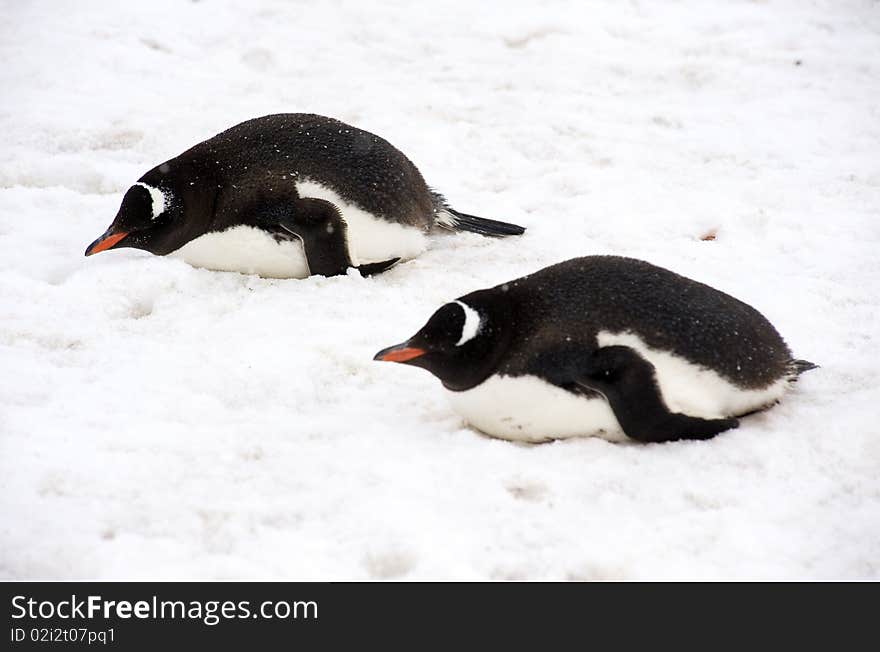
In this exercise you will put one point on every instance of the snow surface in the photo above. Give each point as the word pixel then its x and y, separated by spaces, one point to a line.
pixel 161 421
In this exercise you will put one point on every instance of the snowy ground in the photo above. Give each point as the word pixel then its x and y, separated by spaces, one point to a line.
pixel 160 421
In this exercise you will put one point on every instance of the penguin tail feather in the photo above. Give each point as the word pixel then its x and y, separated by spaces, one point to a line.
pixel 800 366
pixel 448 218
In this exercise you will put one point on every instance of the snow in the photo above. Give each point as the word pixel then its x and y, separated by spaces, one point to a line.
pixel 162 421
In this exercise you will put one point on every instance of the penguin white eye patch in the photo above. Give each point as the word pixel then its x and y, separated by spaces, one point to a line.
pixel 158 197
pixel 472 323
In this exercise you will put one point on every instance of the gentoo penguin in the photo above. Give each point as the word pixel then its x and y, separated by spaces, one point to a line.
pixel 602 345
pixel 286 196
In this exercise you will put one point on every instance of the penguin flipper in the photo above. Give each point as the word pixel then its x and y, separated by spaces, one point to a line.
pixel 368 269
pixel 320 227
pixel 681 426
pixel 629 384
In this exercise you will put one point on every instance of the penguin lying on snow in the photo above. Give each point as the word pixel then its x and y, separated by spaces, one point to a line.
pixel 602 345
pixel 286 196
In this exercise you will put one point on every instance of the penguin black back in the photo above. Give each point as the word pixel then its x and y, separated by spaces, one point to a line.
pixel 669 312
pixel 361 167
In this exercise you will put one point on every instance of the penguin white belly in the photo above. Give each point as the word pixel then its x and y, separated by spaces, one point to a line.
pixel 250 250
pixel 693 389
pixel 529 409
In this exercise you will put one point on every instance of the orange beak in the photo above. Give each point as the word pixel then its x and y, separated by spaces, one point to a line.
pixel 399 353
pixel 106 241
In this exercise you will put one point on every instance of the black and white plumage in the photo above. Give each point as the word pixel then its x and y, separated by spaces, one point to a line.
pixel 286 196
pixel 602 345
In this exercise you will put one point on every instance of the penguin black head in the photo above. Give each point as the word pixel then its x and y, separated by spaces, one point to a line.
pixel 145 220
pixel 458 344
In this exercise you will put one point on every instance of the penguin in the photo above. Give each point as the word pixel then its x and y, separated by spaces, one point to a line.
pixel 602 346
pixel 287 196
